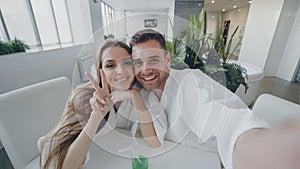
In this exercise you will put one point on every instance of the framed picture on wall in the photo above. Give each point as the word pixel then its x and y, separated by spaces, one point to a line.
pixel 150 23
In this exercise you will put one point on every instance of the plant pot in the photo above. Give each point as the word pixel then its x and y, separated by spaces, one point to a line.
pixel 232 87
pixel 255 75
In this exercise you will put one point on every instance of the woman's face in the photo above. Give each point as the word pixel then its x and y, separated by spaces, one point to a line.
pixel 117 67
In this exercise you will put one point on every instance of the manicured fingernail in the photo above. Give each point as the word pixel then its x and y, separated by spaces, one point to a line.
pixel 103 101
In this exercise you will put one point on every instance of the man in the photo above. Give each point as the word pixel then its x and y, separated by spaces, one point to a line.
pixel 198 108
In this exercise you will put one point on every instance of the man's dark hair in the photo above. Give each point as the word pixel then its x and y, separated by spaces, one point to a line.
pixel 145 35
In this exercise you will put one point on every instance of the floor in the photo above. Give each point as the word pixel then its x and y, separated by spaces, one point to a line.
pixel 281 88
pixel 287 90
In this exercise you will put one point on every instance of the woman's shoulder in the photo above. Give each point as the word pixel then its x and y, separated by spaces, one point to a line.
pixel 39 143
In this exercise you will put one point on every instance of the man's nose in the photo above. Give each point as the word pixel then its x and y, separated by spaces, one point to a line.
pixel 146 68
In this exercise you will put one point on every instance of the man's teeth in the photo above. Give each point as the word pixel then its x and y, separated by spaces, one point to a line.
pixel 149 78
pixel 122 79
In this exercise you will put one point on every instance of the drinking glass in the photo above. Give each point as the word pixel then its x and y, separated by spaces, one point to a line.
pixel 140 162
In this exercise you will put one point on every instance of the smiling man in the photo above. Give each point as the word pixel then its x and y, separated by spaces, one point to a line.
pixel 200 110
pixel 151 61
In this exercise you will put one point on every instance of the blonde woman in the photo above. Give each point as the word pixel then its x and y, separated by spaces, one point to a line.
pixel 93 108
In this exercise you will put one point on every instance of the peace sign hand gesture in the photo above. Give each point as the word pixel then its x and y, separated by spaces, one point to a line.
pixel 100 102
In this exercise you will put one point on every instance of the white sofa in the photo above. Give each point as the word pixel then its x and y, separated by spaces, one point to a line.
pixel 28 113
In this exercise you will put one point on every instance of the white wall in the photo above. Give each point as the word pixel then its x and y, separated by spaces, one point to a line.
pixel 130 20
pixel 170 32
pixel 259 32
pixel 96 23
pixel 291 55
pixel 212 23
pixel 86 19
pixel 237 17
pixel 283 31
pixel 120 24
pixel 135 21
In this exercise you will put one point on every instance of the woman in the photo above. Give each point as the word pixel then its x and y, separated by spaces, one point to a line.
pixel 90 106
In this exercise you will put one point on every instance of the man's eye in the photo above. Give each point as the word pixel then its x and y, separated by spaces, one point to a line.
pixel 154 60
pixel 128 62
pixel 138 63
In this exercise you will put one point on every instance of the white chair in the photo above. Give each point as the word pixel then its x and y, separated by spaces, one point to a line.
pixel 274 109
pixel 28 113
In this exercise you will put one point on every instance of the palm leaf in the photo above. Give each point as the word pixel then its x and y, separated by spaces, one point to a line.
pixel 229 45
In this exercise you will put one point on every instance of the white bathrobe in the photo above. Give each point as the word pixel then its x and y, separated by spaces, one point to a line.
pixel 200 110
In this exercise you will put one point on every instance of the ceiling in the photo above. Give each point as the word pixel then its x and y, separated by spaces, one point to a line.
pixel 158 5
pixel 224 4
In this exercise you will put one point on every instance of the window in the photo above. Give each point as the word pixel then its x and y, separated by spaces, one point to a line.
pixel 37 22
pixel 3 30
pixel 45 20
pixel 63 21
pixel 108 16
pixel 17 20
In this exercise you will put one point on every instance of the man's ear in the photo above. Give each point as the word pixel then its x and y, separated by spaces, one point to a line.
pixel 168 59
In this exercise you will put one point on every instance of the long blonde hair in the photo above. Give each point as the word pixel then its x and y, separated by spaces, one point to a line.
pixel 75 115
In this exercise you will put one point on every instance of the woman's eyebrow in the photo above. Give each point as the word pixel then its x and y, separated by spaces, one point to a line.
pixel 106 61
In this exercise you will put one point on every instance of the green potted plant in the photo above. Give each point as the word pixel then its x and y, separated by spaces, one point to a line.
pixel 13 46
pixel 201 51
pixel 235 74
pixel 176 50
pixel 109 36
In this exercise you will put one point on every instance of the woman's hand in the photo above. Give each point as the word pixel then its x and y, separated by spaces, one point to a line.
pixel 78 149
pixel 100 106
pixel 118 95
pixel 100 102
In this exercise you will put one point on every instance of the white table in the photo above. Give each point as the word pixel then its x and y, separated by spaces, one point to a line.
pixel 169 156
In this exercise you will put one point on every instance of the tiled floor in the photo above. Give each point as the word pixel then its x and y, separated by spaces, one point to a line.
pixel 274 86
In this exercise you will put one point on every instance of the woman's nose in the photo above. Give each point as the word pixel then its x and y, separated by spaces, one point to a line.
pixel 119 69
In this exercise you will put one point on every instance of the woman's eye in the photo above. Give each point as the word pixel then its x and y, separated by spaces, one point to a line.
pixel 110 66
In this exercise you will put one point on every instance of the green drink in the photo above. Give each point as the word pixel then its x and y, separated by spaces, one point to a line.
pixel 140 162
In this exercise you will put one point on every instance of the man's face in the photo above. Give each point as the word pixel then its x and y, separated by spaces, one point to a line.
pixel 151 64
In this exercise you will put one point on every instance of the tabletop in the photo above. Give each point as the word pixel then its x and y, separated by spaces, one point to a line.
pixel 115 149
